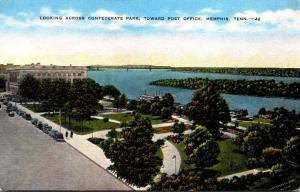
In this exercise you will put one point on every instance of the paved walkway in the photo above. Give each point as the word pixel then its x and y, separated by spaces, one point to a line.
pixel 252 171
pixel 242 128
pixel 230 135
pixel 180 119
pixel 109 120
pixel 116 112
pixel 163 125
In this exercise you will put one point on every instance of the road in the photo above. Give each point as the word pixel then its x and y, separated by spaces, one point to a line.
pixel 31 160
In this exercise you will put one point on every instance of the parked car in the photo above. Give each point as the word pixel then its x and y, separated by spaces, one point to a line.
pixel 27 116
pixel 59 137
pixel 45 128
pixel 21 113
pixel 52 133
pixel 34 121
pixel 40 125
pixel 11 114
pixel 14 108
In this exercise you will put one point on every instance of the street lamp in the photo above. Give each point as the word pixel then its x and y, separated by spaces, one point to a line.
pixel 174 157
pixel 60 120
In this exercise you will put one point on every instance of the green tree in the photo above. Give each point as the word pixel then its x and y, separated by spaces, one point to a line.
pixel 167 100
pixel 208 108
pixel 262 111
pixel 132 105
pixel 29 87
pixel 44 93
pixel 284 126
pixel 85 99
pixel 200 148
pixel 121 101
pixel 111 90
pixel 166 112
pixel 134 156
pixel 271 156
pixel 279 173
pixel 178 128
pixel 155 108
pixel 291 151
pixel 144 107
pixel 60 93
pixel 256 138
pixel 2 83
pixel 112 133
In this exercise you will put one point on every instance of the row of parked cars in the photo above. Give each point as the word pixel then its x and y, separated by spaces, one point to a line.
pixel 11 110
pixel 48 130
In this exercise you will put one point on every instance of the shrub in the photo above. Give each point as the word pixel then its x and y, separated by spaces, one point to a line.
pixel 95 140
pixel 105 120
pixel 253 163
pixel 279 173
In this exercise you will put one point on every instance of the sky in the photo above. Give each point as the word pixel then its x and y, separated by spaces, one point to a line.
pixel 271 41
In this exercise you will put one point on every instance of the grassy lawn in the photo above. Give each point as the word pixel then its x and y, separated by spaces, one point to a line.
pixel 159 153
pixel 35 107
pixel 127 117
pixel 88 126
pixel 230 160
pixel 255 121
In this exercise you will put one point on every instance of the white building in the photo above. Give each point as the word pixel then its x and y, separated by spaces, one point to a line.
pixel 15 74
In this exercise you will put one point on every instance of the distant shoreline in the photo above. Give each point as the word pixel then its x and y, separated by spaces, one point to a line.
pixel 276 72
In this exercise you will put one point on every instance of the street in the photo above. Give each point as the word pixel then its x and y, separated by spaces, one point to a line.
pixel 31 160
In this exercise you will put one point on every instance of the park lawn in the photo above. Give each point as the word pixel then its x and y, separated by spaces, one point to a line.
pixel 128 116
pixel 159 153
pixel 230 160
pixel 35 107
pixel 88 126
pixel 255 121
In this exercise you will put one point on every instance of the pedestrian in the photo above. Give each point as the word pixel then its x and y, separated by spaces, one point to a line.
pixel 71 135
pixel 67 134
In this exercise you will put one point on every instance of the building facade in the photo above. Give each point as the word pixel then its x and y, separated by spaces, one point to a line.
pixel 15 75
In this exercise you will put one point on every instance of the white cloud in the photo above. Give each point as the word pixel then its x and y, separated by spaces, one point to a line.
pixel 69 12
pixel 209 10
pixel 284 20
pixel 46 11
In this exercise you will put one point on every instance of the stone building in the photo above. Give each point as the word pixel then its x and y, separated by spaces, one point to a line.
pixel 15 75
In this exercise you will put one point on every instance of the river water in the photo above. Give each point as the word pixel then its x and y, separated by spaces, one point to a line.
pixel 135 82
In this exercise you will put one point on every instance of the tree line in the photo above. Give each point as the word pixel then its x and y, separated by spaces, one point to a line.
pixel 239 87
pixel 277 72
pixel 76 100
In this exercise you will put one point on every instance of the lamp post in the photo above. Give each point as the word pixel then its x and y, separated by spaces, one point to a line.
pixel 174 157
pixel 60 120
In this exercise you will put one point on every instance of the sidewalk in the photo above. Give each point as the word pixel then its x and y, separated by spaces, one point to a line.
pixel 252 171
pixel 109 120
pixel 180 119
pixel 163 125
